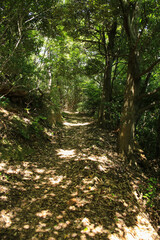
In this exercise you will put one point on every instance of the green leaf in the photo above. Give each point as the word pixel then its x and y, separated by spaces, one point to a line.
pixel 86 229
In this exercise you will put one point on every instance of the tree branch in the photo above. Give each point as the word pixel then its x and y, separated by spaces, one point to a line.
pixel 16 46
pixel 148 100
pixel 148 107
pixel 90 41
pixel 148 95
pixel 146 82
pixel 149 68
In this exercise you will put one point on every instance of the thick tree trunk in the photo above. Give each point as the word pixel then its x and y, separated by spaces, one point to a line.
pixel 131 14
pixel 128 115
pixel 130 108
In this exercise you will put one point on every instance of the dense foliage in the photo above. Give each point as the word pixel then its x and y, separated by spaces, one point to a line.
pixel 99 57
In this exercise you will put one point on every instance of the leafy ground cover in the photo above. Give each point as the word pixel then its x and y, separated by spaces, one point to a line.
pixel 69 183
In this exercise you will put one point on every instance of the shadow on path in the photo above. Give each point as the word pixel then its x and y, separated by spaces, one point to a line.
pixel 73 188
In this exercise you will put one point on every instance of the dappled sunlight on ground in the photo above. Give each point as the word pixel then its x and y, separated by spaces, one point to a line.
pixel 66 153
pixel 142 230
pixel 76 124
pixel 6 218
pixel 79 189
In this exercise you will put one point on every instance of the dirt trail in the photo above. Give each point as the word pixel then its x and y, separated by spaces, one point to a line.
pixel 74 187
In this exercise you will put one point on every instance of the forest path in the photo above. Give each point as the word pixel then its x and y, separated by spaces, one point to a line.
pixel 74 187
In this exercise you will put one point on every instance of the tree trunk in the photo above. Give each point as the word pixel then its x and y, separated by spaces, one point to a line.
pixel 131 13
pixel 109 59
pixel 130 108
pixel 158 138
pixel 107 91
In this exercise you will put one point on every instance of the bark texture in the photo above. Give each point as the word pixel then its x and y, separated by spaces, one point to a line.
pixel 107 81
pixel 129 112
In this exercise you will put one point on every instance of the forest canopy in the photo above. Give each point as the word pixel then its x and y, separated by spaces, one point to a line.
pixel 94 56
